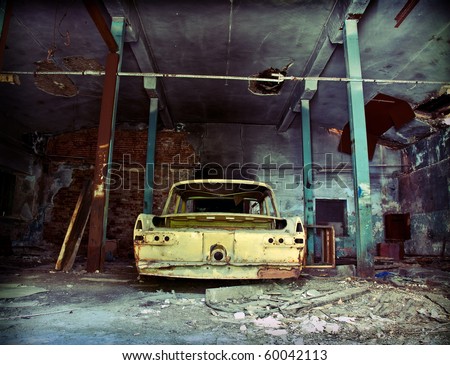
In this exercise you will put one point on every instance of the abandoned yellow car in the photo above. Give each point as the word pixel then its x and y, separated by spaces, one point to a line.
pixel 220 229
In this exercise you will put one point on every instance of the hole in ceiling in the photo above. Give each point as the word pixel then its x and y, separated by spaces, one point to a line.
pixel 267 87
pixel 436 107
pixel 57 85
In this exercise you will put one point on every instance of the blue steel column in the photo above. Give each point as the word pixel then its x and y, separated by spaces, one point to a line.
pixel 118 32
pixel 150 84
pixel 360 157
pixel 307 183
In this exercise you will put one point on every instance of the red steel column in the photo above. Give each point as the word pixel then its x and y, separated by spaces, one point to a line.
pixel 5 15
pixel 94 261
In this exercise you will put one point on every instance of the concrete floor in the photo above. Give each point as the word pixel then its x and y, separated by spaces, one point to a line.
pixel 40 306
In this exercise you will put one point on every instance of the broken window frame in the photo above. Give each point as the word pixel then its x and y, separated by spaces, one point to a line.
pixel 344 218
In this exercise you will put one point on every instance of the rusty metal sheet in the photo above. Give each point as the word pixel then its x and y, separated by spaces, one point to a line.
pixel 382 113
pixel 345 145
pixel 276 273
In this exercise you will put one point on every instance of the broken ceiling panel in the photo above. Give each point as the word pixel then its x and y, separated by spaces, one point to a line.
pixel 345 144
pixel 382 113
pixel 57 85
pixel 268 87
pixel 80 63
pixel 436 107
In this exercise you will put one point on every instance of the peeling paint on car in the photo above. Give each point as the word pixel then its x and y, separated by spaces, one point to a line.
pixel 220 229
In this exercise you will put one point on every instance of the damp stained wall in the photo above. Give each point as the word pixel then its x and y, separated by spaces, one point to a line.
pixel 237 150
pixel 424 193
pixel 276 158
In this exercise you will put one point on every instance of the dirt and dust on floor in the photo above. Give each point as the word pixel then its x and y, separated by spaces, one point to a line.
pixel 408 304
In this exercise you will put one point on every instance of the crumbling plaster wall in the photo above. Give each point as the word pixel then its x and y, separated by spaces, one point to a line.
pixel 425 194
pixel 71 159
pixel 336 178
pixel 242 151
pixel 23 225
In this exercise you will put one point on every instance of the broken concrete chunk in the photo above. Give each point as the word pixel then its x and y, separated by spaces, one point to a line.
pixel 273 332
pixel 332 328
pixel 312 293
pixel 346 270
pixel 267 322
pixel 345 319
pixel 440 300
pixel 239 315
pixel 216 295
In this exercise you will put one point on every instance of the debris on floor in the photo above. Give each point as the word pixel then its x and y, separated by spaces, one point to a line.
pixel 116 307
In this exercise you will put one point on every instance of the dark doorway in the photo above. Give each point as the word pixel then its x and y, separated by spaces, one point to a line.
pixel 332 212
pixel 397 227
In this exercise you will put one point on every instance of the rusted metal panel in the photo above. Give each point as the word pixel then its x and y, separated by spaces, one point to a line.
pixel 382 113
pixel 277 273
pixel 103 143
pixel 385 111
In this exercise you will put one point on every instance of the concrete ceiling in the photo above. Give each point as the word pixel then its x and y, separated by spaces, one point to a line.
pixel 225 38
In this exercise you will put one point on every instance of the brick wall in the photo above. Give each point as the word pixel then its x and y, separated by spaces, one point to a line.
pixel 174 160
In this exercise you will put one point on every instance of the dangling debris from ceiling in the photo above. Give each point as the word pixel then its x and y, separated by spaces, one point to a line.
pixel 58 85
pixel 382 113
pixel 79 63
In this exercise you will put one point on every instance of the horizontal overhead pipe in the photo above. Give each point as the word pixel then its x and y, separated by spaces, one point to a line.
pixel 220 77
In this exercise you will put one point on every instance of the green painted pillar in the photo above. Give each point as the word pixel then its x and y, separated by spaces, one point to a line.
pixel 307 177
pixel 360 158
pixel 118 32
pixel 150 84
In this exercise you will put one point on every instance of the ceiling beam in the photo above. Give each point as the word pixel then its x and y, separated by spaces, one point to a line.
pixel 101 25
pixel 140 46
pixel 329 38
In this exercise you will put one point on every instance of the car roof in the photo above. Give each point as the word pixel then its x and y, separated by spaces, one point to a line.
pixel 196 184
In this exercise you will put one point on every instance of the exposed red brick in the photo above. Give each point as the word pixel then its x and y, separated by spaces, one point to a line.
pixel 174 157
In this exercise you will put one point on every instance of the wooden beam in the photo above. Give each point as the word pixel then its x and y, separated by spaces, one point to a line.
pixel 76 229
